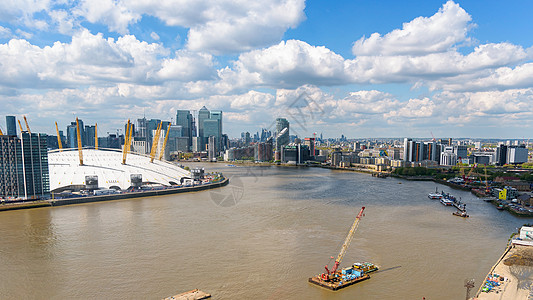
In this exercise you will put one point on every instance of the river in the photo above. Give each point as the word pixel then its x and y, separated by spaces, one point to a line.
pixel 261 237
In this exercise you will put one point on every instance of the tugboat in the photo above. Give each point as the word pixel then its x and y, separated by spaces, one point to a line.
pixel 461 213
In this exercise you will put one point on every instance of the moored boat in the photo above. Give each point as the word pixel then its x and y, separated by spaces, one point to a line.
pixel 435 196
pixel 446 202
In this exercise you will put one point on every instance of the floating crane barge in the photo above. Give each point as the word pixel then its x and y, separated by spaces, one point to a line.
pixel 335 279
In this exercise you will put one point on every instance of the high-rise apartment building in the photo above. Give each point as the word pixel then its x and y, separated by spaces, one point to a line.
pixel 24 166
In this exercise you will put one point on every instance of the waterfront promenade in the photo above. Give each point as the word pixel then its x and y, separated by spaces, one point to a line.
pixel 119 196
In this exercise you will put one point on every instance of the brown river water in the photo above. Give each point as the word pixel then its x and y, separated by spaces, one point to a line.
pixel 261 237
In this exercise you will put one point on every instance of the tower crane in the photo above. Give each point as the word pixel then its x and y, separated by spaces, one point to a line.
pixel 59 139
pixel 326 276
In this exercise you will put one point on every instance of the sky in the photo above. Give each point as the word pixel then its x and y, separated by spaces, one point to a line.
pixel 357 68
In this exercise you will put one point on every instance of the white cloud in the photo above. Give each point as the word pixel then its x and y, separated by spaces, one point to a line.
pixel 115 14
pixel 92 59
pixel 4 32
pixel 421 36
pixel 154 36
pixel 24 34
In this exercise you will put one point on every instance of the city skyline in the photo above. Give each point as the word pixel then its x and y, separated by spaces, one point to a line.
pixel 387 69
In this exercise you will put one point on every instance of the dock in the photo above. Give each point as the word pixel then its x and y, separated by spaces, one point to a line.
pixel 195 294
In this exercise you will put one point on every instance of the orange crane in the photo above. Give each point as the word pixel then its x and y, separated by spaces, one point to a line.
pixel 326 276
pixel 26 121
pixel 80 152
pixel 96 136
pixel 164 143
pixel 155 142
pixel 59 139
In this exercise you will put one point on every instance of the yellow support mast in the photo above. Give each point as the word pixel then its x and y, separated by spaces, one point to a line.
pixel 80 152
pixel 59 139
pixel 129 140
pixel 20 125
pixel 155 142
pixel 26 121
pixel 126 141
pixel 164 143
pixel 1 133
pixel 96 136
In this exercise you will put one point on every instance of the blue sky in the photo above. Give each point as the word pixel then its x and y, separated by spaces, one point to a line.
pixel 358 68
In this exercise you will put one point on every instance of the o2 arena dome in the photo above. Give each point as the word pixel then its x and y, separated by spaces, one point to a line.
pixel 103 169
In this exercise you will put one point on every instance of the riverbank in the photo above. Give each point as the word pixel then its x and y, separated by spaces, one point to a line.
pixel 90 199
pixel 509 277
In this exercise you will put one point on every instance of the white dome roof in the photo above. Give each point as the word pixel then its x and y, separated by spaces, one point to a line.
pixel 107 165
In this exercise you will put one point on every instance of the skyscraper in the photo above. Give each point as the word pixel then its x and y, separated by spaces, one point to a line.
pixel 185 119
pixel 11 124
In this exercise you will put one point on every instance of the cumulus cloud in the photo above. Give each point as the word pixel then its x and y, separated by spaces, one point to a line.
pixel 420 36
pixel 92 59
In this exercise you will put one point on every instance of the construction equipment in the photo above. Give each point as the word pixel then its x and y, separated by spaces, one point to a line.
pixel 334 279
pixel 155 142
pixel 126 141
pixel 326 276
pixel 26 121
pixel 164 144
pixel 80 153
pixel 96 136
pixel 20 125
pixel 60 145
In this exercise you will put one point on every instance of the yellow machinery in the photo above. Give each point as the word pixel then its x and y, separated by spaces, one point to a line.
pixel 164 143
pixel 79 142
pixel 96 136
pixel 20 125
pixel 155 142
pixel 26 121
pixel 1 133
pixel 126 147
pixel 59 139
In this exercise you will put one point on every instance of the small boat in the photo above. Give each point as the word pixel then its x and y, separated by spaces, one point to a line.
pixel 435 196
pixel 461 214
pixel 446 202
pixel 500 207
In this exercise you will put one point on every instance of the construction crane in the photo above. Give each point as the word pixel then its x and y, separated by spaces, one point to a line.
pixel 26 121
pixel 155 142
pixel 164 143
pixel 80 153
pixel 326 276
pixel 59 139
pixel 126 142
